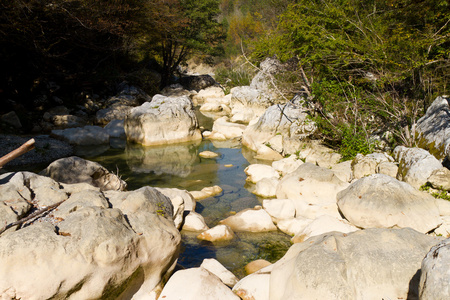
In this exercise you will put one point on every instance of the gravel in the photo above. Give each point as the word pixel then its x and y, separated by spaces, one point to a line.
pixel 46 150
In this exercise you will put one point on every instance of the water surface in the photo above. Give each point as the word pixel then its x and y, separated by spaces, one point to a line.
pixel 180 166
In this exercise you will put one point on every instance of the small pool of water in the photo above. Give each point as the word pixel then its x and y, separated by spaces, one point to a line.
pixel 180 166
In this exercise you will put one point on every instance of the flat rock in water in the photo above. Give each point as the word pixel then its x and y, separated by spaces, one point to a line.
pixel 208 154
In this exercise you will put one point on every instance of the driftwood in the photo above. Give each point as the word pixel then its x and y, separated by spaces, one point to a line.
pixel 33 215
pixel 16 153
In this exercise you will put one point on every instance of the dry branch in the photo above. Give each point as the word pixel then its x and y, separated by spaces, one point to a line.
pixel 33 215
pixel 29 145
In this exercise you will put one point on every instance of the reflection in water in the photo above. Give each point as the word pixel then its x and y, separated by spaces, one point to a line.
pixel 179 166
pixel 176 159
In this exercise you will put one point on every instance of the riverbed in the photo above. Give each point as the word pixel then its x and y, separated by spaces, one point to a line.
pixel 180 166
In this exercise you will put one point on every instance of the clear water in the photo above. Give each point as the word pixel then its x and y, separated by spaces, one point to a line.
pixel 179 166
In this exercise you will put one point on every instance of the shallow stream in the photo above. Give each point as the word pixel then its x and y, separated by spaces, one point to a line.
pixel 179 166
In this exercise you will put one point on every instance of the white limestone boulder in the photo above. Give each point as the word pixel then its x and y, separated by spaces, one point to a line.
pixel 366 264
pixel 310 183
pixel 287 165
pixel 88 249
pixel 280 209
pixel 444 229
pixel 216 268
pixel 256 172
pixel 266 187
pixel 381 201
pixel 254 286
pixel 321 225
pixel 364 165
pixel 247 103
pixel 195 284
pixel 287 122
pixel 387 168
pixel 440 179
pixel 344 171
pixel 224 130
pixel 433 129
pixel 415 165
pixel 218 233
pixel 293 226
pixel 206 192
pixel 194 222
pixel 256 265
pixel 435 273
pixel 188 200
pixel 252 220
pixel 316 153
pixel 164 120
pixel 212 94
pixel 75 170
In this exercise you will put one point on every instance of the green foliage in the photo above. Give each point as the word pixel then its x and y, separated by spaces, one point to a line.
pixel 436 193
pixel 232 75
pixel 373 65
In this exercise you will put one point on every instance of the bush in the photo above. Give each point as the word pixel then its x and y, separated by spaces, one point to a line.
pixel 234 75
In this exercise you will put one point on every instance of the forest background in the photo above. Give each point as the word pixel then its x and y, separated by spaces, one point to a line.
pixel 365 68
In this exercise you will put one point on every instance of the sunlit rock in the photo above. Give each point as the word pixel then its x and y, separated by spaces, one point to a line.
pixel 256 172
pixel 164 120
pixel 366 264
pixel 195 284
pixel 217 233
pixel 215 267
pixel 253 220
pixel 415 165
pixel 384 202
pixel 194 222
pixel 321 225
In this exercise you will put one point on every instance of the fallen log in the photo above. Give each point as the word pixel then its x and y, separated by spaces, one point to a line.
pixel 29 145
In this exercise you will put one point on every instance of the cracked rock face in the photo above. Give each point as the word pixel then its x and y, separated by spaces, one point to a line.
pixel 95 244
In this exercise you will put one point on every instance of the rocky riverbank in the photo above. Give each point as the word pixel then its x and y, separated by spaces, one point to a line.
pixel 361 229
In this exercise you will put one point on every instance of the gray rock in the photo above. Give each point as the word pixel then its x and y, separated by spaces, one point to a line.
pixel 75 170
pixel 415 165
pixel 289 121
pixel 435 274
pixel 115 129
pixel 82 136
pixel 247 103
pixel 115 112
pixel 165 120
pixel 11 119
pixel 433 129
pixel 68 121
pixel 440 179
pixel 366 264
pixel 381 201
pixel 363 165
pixel 197 82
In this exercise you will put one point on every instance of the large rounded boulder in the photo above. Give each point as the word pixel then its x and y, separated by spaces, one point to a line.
pixel 164 120
pixel 366 264
pixel 381 201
